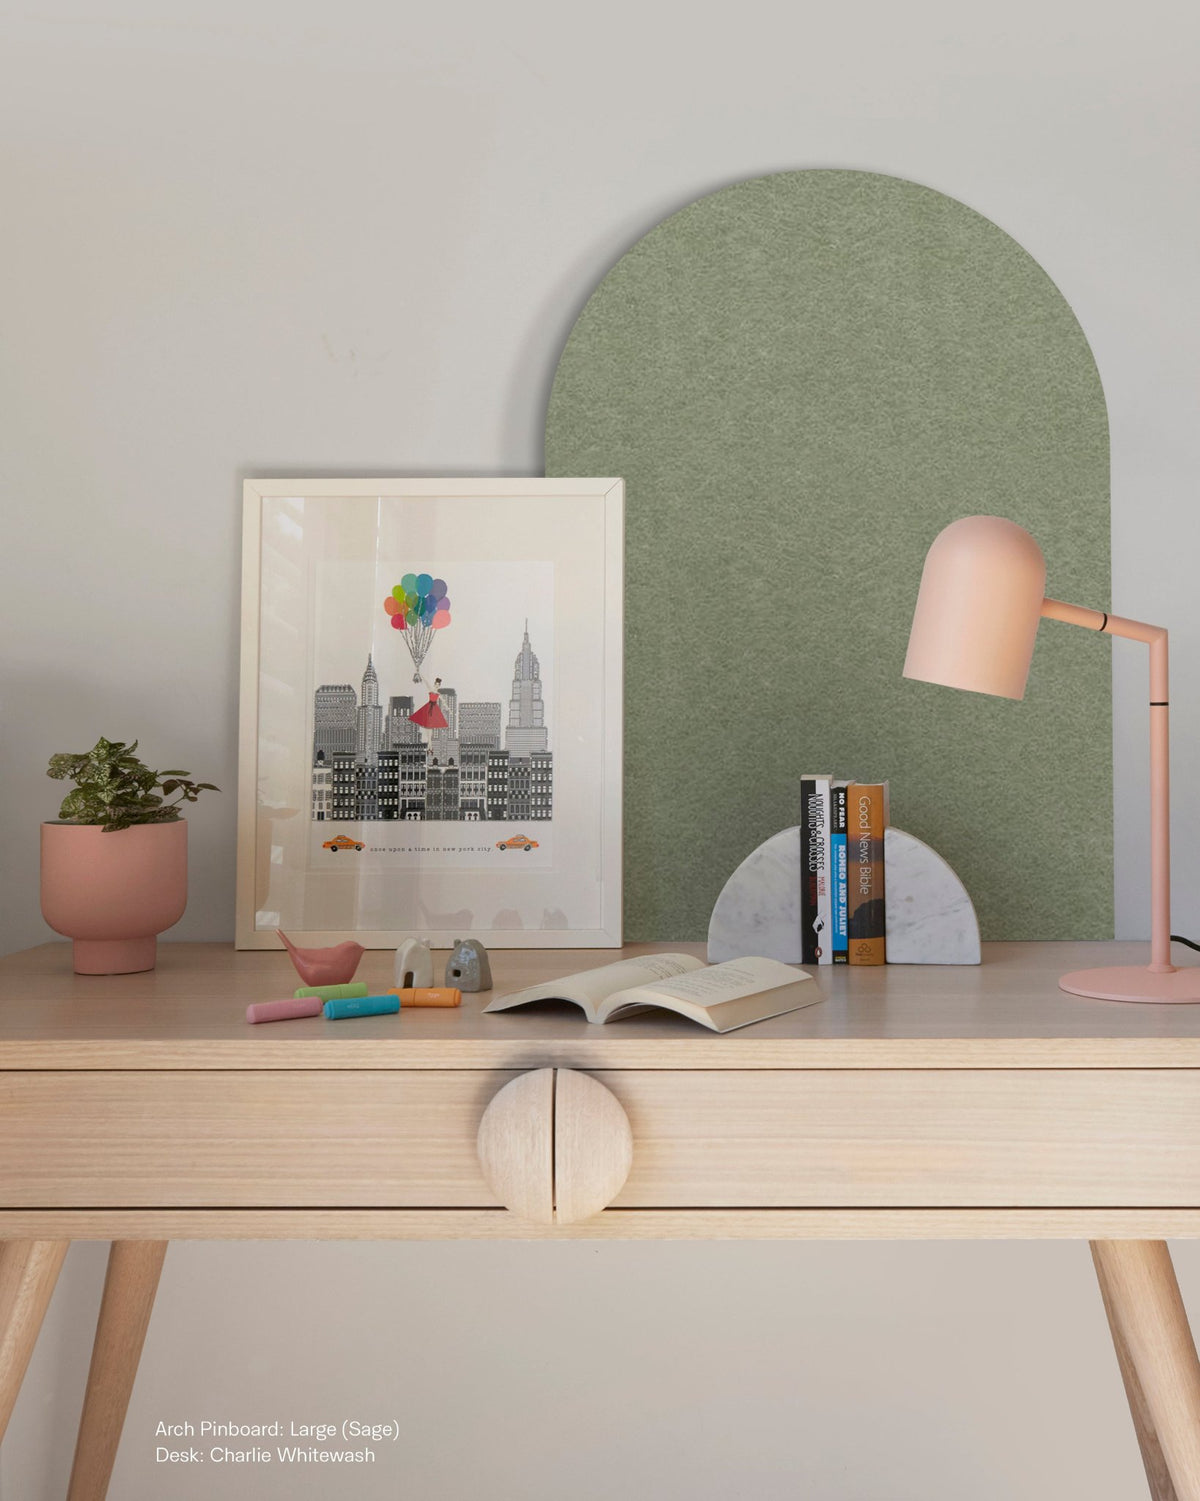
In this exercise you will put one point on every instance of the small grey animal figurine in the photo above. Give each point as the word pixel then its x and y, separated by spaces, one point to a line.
pixel 467 967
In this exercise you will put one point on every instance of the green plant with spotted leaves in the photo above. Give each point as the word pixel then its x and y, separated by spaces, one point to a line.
pixel 115 789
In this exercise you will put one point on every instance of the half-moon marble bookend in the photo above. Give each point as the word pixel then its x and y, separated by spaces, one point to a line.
pixel 930 917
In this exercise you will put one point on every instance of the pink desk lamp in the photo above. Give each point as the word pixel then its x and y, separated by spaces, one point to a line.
pixel 982 595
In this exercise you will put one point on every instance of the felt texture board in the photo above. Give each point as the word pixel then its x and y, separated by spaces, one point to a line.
pixel 802 379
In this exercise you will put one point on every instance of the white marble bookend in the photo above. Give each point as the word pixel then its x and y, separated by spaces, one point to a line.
pixel 758 911
pixel 930 917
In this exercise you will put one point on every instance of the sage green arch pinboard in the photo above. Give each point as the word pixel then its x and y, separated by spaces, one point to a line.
pixel 802 379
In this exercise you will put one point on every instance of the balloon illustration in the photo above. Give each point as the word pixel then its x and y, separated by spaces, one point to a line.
pixel 418 605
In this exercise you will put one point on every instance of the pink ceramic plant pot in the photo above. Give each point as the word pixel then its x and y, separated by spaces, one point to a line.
pixel 113 893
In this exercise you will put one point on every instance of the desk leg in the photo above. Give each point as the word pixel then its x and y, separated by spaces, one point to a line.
pixel 1158 1362
pixel 129 1287
pixel 28 1271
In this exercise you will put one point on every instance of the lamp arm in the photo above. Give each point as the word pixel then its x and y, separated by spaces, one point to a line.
pixel 1155 637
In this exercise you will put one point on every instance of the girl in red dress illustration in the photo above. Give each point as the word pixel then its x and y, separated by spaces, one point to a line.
pixel 429 716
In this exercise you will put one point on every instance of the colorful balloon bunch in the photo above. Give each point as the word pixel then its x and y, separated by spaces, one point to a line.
pixel 418 606
pixel 418 599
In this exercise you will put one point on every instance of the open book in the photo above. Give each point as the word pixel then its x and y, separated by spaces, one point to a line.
pixel 722 997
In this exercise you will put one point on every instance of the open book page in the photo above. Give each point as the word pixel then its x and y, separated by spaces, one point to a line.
pixel 721 982
pixel 723 997
pixel 589 988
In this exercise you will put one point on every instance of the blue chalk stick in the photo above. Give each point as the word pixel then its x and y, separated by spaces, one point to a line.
pixel 366 1005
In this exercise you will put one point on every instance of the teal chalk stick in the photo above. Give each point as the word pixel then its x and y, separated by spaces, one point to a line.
pixel 332 992
pixel 365 1005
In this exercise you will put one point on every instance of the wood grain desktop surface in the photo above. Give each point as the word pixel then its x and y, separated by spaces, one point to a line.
pixel 190 1013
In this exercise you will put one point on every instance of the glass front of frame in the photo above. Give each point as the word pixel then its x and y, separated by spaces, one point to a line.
pixel 437 738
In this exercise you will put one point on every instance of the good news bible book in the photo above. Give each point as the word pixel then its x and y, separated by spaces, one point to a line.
pixel 722 997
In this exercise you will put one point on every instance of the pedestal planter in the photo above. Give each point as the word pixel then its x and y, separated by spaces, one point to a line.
pixel 113 893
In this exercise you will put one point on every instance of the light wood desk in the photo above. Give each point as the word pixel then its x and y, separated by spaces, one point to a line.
pixel 911 1103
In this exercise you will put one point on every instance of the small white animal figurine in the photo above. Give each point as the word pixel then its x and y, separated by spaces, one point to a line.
pixel 414 965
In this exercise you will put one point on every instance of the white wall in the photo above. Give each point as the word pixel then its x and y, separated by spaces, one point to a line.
pixel 250 236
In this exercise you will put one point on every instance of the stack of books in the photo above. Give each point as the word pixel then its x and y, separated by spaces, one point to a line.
pixel 841 871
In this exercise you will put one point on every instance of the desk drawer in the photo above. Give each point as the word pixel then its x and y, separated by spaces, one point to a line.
pixel 908 1138
pixel 701 1139
pixel 243 1139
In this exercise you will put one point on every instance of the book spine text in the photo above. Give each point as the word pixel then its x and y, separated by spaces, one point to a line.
pixel 824 813
pixel 866 819
pixel 837 863
pixel 814 871
pixel 808 890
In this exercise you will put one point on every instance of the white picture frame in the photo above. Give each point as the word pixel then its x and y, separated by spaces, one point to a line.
pixel 434 850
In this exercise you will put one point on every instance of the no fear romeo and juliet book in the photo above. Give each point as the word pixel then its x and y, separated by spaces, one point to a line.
pixel 721 997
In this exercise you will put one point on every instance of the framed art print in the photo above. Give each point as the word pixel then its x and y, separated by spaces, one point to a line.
pixel 431 712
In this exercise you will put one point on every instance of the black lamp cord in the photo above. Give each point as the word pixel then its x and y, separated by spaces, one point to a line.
pixel 1178 938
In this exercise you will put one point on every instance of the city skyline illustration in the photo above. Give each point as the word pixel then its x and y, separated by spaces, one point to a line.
pixel 489 763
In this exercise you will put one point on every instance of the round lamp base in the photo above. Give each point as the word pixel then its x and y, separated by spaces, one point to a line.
pixel 1180 987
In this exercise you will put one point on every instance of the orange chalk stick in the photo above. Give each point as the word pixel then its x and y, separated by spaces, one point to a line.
pixel 436 996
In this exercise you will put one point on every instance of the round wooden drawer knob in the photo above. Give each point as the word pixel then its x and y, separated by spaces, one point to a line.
pixel 555 1146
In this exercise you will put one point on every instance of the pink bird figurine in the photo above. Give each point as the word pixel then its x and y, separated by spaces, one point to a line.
pixel 331 966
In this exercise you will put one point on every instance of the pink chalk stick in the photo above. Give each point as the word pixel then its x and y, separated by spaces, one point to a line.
pixel 284 1011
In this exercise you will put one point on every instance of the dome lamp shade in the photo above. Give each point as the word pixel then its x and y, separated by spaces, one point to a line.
pixel 978 608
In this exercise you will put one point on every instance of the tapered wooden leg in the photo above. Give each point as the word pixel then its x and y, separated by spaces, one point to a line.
pixel 1158 1361
pixel 129 1287
pixel 28 1271
pixel 1157 1474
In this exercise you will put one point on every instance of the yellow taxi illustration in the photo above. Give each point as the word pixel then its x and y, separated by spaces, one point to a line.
pixel 342 842
pixel 517 842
